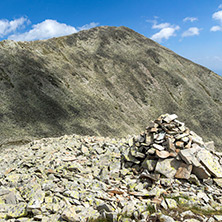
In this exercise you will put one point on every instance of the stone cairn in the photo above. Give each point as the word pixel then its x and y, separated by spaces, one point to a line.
pixel 165 174
pixel 170 149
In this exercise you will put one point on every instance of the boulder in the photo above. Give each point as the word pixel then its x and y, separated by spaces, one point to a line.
pixel 70 215
pixel 167 167
pixel 209 162
pixel 184 171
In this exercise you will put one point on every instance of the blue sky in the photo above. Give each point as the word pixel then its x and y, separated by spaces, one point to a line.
pixel 191 28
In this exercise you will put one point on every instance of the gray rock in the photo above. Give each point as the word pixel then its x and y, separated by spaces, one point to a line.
pixel 193 179
pixel 161 135
pixel 165 218
pixel 167 182
pixel 167 167
pixel 85 150
pixel 218 181
pixel 187 213
pixel 184 171
pixel 202 195
pixel 135 153
pixel 88 214
pixel 196 139
pixel 148 140
pixel 151 176
pixel 168 118
pixel 149 164
pixel 209 162
pixel 155 192
pixel 191 220
pixel 10 198
pixel 158 147
pixel 163 154
pixel 129 208
pixel 99 150
pixel 188 155
pixel 172 204
pixel 180 136
pixel 128 157
pixel 164 204
pixel 218 217
pixel 210 146
pixel 179 144
pixel 4 191
pixel 70 215
pixel 211 219
pixel 131 141
pixel 105 207
pixel 151 151
pixel 141 138
pixel 36 200
pixel 185 139
pixel 17 211
pixel 170 144
pixel 200 172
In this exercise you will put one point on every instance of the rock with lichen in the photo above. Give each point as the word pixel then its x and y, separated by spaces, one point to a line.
pixel 83 178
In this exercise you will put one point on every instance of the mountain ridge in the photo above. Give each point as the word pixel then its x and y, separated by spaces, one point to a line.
pixel 106 81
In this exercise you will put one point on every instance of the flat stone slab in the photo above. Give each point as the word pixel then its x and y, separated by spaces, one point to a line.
pixel 210 146
pixel 162 154
pixel 166 218
pixel 168 118
pixel 200 172
pixel 69 214
pixel 158 147
pixel 218 181
pixel 172 204
pixel 168 167
pixel 155 192
pixel 188 155
pixel 184 171
pixel 218 217
pixel 209 162
pixel 196 139
pixel 17 211
pixel 149 164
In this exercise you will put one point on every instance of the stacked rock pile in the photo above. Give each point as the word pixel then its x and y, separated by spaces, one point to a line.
pixel 162 175
pixel 170 149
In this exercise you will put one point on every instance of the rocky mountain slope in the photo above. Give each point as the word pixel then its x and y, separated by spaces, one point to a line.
pixel 107 81
pixel 165 174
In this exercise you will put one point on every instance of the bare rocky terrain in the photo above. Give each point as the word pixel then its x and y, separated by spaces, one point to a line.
pixel 165 174
pixel 106 81
pixel 64 99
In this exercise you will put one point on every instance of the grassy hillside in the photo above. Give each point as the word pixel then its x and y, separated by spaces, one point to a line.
pixel 108 81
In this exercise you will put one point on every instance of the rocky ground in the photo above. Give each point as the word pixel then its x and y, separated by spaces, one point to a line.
pixel 167 173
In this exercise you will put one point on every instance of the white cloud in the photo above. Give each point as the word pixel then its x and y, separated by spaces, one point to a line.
pixel 165 33
pixel 88 26
pixel 49 29
pixel 216 28
pixel 160 26
pixel 191 32
pixel 218 17
pixel 190 19
pixel 44 30
pixel 220 6
pixel 7 27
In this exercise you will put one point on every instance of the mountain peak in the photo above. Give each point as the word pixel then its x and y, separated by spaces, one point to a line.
pixel 105 81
